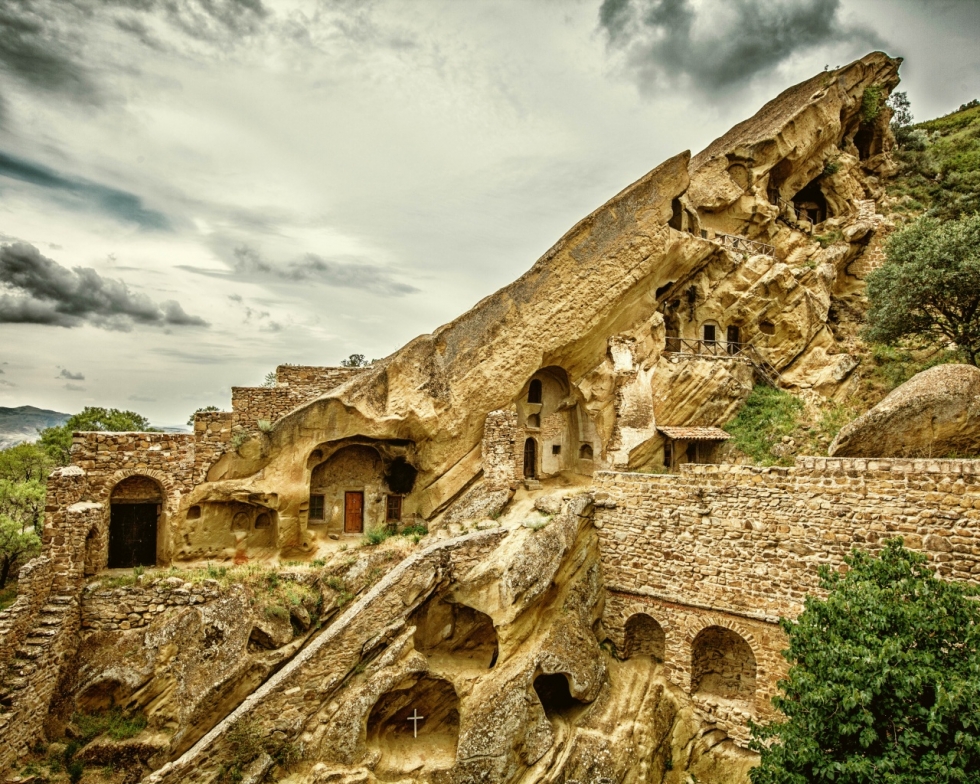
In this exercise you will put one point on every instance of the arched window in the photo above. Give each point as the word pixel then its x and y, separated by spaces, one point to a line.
pixel 534 391
pixel 585 452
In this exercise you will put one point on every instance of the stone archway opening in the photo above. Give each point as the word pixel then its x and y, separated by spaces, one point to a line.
pixel 454 636
pixel 135 507
pixel 409 744
pixel 722 664
pixel 556 697
pixel 644 637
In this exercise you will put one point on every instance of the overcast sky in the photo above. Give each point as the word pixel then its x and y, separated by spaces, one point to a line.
pixel 194 191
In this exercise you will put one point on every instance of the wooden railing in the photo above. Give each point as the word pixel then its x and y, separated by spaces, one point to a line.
pixel 741 244
pixel 718 348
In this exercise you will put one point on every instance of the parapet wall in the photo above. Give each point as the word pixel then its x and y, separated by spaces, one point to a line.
pixel 749 540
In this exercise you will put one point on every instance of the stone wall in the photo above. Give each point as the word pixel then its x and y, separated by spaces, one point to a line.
pixel 39 632
pixel 499 447
pixel 740 546
pixel 874 253
pixel 212 437
pixel 295 385
pixel 134 606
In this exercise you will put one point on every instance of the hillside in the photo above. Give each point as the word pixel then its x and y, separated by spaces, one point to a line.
pixel 24 422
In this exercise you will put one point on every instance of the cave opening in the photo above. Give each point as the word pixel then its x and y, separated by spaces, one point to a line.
pixel 415 727
pixel 454 636
pixel 556 697
pixel 811 204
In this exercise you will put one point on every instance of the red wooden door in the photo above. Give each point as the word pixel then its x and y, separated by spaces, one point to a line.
pixel 353 513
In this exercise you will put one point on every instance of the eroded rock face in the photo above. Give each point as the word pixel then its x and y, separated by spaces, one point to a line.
pixel 936 413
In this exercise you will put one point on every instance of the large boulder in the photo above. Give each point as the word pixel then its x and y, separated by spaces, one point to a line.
pixel 936 413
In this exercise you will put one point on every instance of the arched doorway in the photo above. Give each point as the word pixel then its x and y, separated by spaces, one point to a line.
pixel 347 491
pixel 722 664
pixel 134 513
pixel 530 458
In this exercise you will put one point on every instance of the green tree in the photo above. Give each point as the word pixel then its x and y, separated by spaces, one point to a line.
pixel 201 410
pixel 928 291
pixel 884 683
pixel 354 360
pixel 17 545
pixel 57 440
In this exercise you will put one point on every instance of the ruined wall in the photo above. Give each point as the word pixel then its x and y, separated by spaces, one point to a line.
pixel 39 631
pixel 212 437
pixel 499 447
pixel 295 385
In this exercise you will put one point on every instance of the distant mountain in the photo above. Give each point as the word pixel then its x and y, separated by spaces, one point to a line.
pixel 23 423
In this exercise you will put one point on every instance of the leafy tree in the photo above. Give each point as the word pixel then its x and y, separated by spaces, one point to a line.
pixel 57 440
pixel 270 379
pixel 354 361
pixel 25 462
pixel 884 683
pixel 17 545
pixel 929 289
pixel 901 110
pixel 201 410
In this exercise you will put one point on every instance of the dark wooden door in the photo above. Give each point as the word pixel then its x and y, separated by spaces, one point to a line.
pixel 732 338
pixel 530 458
pixel 132 535
pixel 353 513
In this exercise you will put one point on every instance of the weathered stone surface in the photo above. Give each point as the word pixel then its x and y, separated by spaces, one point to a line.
pixel 936 413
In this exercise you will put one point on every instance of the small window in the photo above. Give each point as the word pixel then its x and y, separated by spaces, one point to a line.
pixel 534 391
pixel 240 522
pixel 194 513
pixel 669 454
pixel 393 511
pixel 316 507
pixel 533 420
pixel 585 452
pixel 556 449
pixel 709 333
pixel 767 328
pixel 263 520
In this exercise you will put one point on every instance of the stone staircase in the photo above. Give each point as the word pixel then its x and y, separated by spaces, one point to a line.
pixel 32 674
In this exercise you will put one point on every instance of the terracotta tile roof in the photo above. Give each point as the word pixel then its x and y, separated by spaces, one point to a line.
pixel 695 433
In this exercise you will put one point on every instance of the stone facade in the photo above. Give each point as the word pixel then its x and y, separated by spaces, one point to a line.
pixel 738 547
pixel 135 606
pixel 499 449
pixel 874 254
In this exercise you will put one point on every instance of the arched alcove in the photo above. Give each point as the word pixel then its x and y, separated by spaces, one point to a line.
pixel 455 635
pixel 722 664
pixel 533 420
pixel 135 505
pixel 102 695
pixel 585 452
pixel 407 744
pixel 556 697
pixel 534 391
pixel 811 203
pixel 93 552
pixel 644 637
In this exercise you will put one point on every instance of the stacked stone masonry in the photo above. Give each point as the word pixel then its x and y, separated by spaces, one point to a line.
pixel 295 385
pixel 738 547
pixel 131 607
pixel 874 254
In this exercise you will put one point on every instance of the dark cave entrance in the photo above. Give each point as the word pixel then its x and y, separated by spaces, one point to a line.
pixel 811 203
pixel 555 696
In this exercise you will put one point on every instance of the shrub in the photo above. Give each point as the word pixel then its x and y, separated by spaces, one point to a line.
pixel 871 104
pixel 114 723
pixel 767 415
pixel 377 535
pixel 419 529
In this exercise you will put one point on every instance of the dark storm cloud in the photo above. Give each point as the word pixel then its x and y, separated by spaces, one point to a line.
pixel 37 290
pixel 346 272
pixel 720 44
pixel 83 194
pixel 66 373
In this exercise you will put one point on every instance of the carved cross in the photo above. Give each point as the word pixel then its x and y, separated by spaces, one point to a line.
pixel 415 719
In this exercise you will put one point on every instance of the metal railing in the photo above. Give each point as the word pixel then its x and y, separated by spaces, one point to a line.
pixel 741 244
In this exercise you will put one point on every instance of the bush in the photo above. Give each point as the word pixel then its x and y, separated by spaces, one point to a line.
pixel 420 529
pixel 884 681
pixel 114 723
pixel 767 415
pixel 377 535
pixel 871 104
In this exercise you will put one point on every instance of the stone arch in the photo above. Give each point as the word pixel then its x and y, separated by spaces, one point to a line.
pixel 137 514
pixel 555 419
pixel 407 745
pixel 644 636
pixel 723 663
